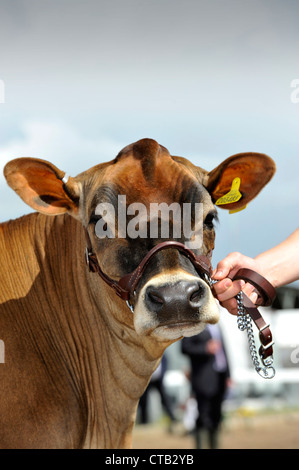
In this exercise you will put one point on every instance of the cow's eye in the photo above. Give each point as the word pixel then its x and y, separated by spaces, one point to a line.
pixel 209 220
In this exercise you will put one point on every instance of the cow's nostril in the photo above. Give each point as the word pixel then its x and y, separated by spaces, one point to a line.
pixel 196 294
pixel 155 298
pixel 195 297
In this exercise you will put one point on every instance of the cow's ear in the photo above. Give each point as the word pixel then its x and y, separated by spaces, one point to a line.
pixel 245 173
pixel 42 186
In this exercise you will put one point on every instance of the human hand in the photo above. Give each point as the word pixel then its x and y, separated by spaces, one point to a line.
pixel 226 289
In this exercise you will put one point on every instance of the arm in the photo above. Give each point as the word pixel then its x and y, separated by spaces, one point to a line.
pixel 279 265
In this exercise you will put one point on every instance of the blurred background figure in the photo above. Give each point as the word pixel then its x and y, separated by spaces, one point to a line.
pixel 157 383
pixel 210 378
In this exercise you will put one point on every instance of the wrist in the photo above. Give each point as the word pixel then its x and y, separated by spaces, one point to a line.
pixel 267 270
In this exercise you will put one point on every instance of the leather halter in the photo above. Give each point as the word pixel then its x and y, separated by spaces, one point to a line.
pixel 126 286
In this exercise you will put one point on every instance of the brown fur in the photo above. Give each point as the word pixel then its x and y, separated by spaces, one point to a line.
pixel 74 365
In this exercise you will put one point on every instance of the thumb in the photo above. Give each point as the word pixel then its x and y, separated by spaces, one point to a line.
pixel 229 265
pixel 223 269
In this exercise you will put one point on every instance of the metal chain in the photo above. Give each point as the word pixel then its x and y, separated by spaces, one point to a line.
pixel 244 323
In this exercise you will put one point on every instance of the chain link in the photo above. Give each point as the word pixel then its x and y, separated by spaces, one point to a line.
pixel 244 323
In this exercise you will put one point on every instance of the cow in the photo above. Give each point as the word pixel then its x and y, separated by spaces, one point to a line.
pixel 81 346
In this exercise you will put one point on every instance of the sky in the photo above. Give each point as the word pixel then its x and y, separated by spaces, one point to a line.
pixel 80 80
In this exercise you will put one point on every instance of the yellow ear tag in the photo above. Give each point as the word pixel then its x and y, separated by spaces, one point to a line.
pixel 233 195
pixel 233 211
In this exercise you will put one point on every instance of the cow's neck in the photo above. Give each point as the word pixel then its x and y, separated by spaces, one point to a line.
pixel 110 363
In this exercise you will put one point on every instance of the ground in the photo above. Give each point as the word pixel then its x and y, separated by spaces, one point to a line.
pixel 242 430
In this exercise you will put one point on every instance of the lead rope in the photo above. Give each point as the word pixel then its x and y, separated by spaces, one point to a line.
pixel 244 323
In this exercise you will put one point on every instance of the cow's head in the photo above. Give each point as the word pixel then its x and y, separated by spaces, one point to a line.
pixel 117 202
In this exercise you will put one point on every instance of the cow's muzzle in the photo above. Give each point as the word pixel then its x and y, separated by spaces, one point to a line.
pixel 126 286
pixel 180 301
pixel 173 304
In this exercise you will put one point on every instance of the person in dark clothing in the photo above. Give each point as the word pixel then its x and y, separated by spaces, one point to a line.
pixel 209 380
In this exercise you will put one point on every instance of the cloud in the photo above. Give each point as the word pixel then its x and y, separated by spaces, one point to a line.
pixel 60 144
pixel 55 142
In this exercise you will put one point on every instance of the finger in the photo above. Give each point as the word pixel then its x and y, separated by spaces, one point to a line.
pixel 227 289
pixel 230 264
pixel 222 286
pixel 254 298
pixel 252 294
pixel 248 289
pixel 230 305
